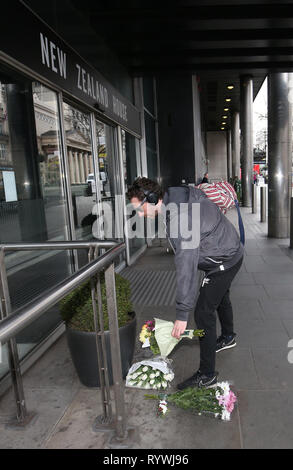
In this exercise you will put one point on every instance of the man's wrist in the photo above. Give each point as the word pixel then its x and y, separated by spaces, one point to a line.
pixel 182 316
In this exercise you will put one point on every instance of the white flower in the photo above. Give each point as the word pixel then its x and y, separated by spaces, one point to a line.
pixel 163 406
pixel 131 383
pixel 147 387
pixel 164 384
pixel 152 376
pixel 225 415
pixel 152 382
pixel 168 377
pixel 145 369
pixel 225 387
pixel 155 387
pixel 139 384
pixel 144 377
pixel 158 374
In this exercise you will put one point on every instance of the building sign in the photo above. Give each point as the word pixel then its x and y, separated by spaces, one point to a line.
pixel 39 48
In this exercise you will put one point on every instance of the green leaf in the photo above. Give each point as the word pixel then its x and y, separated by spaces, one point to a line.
pixel 76 308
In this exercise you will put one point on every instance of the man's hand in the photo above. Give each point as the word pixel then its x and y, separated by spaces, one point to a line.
pixel 179 328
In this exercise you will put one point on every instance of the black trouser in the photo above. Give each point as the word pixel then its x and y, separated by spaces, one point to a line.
pixel 214 296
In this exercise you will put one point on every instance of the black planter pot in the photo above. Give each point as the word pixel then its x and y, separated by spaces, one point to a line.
pixel 82 346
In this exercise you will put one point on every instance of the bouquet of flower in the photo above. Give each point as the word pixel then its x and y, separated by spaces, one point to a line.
pixel 147 337
pixel 156 334
pixel 218 401
pixel 150 374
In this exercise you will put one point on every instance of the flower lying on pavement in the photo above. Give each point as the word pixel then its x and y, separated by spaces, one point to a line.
pixel 162 409
pixel 218 401
pixel 148 377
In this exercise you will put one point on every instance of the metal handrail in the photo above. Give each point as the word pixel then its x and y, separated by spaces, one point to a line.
pixel 23 316
pixel 13 323
pixel 70 245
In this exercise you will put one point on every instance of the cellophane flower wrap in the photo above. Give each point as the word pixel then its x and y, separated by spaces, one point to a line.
pixel 155 374
pixel 157 334
pixel 218 401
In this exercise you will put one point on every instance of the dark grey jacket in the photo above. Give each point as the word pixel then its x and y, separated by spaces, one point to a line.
pixel 219 244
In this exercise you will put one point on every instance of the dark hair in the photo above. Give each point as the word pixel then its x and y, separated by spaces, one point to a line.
pixel 140 184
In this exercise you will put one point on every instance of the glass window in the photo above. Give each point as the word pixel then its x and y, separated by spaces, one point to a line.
pixel 131 156
pixel 32 198
pixel 81 169
pixel 110 183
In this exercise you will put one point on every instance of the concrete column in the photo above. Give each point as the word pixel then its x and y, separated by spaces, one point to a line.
pixel 246 125
pixel 86 163
pixel 235 145
pixel 229 155
pixel 77 167
pixel 71 166
pixel 81 166
pixel 91 163
pixel 279 155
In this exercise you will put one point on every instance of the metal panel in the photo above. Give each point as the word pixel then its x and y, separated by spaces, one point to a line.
pixel 246 123
pixel 279 155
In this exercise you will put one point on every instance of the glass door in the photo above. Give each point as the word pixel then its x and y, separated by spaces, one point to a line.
pixel 109 180
pixel 81 170
pixel 136 238
pixel 32 199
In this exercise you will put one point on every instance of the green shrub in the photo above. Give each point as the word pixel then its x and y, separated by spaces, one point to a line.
pixel 76 308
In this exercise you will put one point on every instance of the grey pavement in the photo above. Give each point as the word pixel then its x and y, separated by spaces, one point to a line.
pixel 258 368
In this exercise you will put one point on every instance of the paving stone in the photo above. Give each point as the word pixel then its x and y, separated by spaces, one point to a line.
pixel 273 278
pixel 54 370
pixel 252 332
pixel 75 429
pixel 181 429
pixel 247 292
pixel 247 308
pixel 272 366
pixel 255 249
pixel 237 367
pixel 49 404
pixel 244 278
pixel 280 260
pixel 277 309
pixel 279 291
pixel 288 325
pixel 266 419
pixel 258 367
pixel 256 264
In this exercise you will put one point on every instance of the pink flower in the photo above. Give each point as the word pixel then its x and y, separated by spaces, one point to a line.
pixel 222 400
pixel 150 325
pixel 229 405
pixel 228 401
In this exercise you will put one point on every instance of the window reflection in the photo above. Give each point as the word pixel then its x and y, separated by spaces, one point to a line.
pixel 81 168
pixel 32 198
pixel 131 157
pixel 49 158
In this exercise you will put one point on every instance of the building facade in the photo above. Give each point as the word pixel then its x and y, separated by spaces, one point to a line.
pixel 70 145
